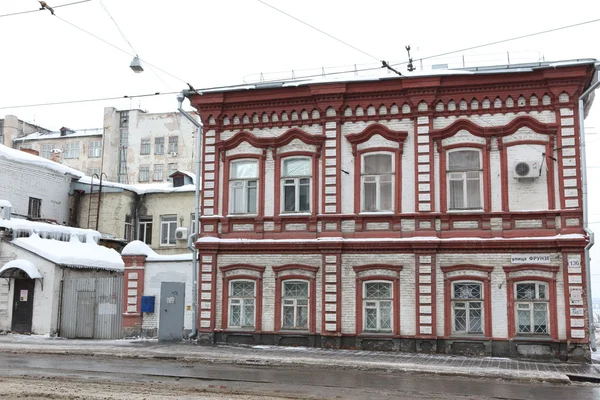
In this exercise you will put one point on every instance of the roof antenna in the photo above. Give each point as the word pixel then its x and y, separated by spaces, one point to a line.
pixel 409 67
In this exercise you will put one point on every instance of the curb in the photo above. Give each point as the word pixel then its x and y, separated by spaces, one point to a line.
pixel 263 361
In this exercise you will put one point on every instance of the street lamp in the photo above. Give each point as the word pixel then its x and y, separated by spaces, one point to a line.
pixel 136 65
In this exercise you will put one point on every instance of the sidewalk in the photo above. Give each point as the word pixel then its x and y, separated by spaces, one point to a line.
pixel 485 367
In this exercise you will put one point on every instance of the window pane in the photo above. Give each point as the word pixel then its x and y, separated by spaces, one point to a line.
pixel 540 320
pixel 371 319
pixel 234 315
pixel 385 315
pixel 244 169
pixel 377 164
pixel 304 201
pixel 526 291
pixel 378 290
pixel 456 194
pixel 288 317
pixel 302 320
pixel 249 312
pixel 542 291
pixel 237 195
pixel 251 198
pixel 467 291
pixel 296 167
pixel 164 229
pixel 463 160
pixel 295 289
pixel 289 198
pixel 370 193
pixel 460 320
pixel 524 321
pixel 385 189
pixel 473 192
pixel 475 317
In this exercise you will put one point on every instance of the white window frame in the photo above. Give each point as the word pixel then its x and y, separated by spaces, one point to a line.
pixel 243 302
pixel 143 223
pixel 171 169
pixel 296 184
pixel 296 303
pixel 463 177
pixel 144 174
pixel 92 171
pixel 173 144
pixel 145 146
pixel 95 149
pixel 46 150
pixel 467 308
pixel 159 145
pixel 72 150
pixel 244 184
pixel 376 305
pixel 530 303
pixel 377 179
pixel 170 223
pixel 157 173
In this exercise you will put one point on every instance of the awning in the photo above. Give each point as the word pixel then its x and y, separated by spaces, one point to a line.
pixel 11 268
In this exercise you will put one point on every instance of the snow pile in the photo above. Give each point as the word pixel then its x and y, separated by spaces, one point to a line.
pixel 72 253
pixel 138 248
pixel 56 135
pixel 24 228
pixel 23 265
pixel 142 188
pixel 25 158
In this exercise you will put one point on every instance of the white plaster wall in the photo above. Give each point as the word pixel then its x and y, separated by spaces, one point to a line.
pixel 113 209
pixel 157 272
pixel 525 194
pixel 20 181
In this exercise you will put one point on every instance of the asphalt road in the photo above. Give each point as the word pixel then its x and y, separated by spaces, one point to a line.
pixel 79 377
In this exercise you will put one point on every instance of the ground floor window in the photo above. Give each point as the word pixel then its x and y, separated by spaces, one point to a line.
pixel 531 308
pixel 295 305
pixel 467 306
pixel 242 300
pixel 377 306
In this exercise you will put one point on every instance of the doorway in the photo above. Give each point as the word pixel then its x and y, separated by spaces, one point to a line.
pixel 23 305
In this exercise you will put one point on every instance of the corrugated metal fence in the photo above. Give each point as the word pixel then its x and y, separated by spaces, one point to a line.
pixel 91 308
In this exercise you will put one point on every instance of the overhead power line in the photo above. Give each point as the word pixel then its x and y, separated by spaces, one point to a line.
pixel 118 27
pixel 90 100
pixel 42 9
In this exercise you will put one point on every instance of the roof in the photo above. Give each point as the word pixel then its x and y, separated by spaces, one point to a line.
pixel 25 158
pixel 22 226
pixel 141 188
pixel 139 248
pixel 19 264
pixel 57 135
pixel 383 75
pixel 72 254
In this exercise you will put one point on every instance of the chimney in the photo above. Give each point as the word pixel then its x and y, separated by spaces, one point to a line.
pixel 56 155
pixel 30 151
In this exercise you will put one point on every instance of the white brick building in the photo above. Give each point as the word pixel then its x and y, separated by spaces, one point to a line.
pixel 437 213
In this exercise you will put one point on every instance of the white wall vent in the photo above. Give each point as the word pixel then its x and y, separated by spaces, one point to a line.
pixel 181 233
pixel 526 169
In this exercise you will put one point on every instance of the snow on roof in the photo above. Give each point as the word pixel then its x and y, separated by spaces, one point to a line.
pixel 43 229
pixel 139 248
pixel 383 74
pixel 72 253
pixel 142 188
pixel 57 135
pixel 5 203
pixel 30 159
pixel 24 265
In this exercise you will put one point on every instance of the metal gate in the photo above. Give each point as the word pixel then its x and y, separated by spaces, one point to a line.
pixel 172 309
pixel 91 308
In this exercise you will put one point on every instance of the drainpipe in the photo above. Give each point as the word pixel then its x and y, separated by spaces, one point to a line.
pixel 194 235
pixel 587 230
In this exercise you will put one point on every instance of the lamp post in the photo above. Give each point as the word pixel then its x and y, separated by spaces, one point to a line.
pixel 194 235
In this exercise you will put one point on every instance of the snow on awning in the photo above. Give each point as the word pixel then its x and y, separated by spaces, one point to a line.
pixel 73 254
pixel 10 269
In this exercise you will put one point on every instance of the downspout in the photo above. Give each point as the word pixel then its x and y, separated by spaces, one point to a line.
pixel 194 235
pixel 587 230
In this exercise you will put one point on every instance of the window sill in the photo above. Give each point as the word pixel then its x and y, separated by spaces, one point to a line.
pixel 461 336
pixel 376 213
pixel 241 216
pixel 295 214
pixel 534 338
pixel 377 333
pixel 465 211
pixel 167 245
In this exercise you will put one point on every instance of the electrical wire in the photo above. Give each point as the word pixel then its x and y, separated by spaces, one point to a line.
pixel 42 9
pixel 118 27
pixel 505 40
pixel 319 30
pixel 90 100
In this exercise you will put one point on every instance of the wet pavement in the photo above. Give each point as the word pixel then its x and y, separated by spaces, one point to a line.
pixel 273 356
pixel 288 382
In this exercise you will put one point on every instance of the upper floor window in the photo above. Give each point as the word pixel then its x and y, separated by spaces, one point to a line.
pixel 377 306
pixel 128 233
pixel 294 305
pixel 467 306
pixel 173 145
pixel 35 208
pixel 531 307
pixel 243 187
pixel 72 150
pixel 295 181
pixel 464 180
pixel 168 225
pixel 145 146
pixel 144 173
pixel 46 150
pixel 159 145
pixel 95 149
pixel 92 171
pixel 145 229
pixel 377 178
pixel 242 299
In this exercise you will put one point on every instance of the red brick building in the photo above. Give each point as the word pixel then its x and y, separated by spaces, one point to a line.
pixel 431 213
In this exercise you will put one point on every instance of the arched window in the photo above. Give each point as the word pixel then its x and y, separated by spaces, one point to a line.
pixel 377 306
pixel 294 303
pixel 242 304
pixel 531 308
pixel 467 307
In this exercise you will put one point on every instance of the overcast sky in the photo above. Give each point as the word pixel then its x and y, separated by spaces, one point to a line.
pixel 45 59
